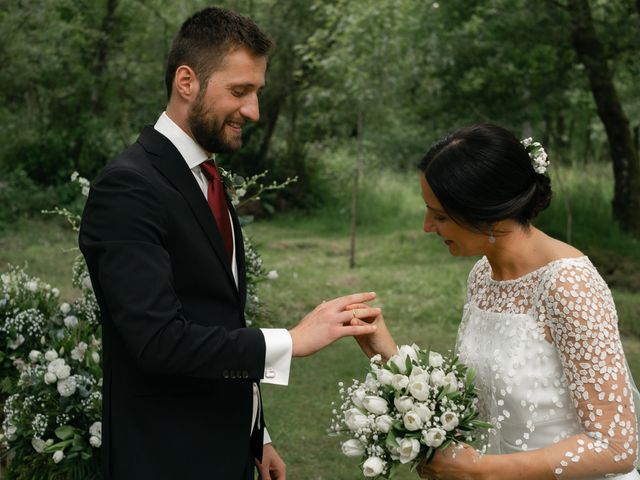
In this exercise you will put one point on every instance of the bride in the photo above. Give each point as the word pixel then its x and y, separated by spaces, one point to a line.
pixel 539 325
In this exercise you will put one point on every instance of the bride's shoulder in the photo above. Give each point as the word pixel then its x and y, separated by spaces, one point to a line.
pixel 480 268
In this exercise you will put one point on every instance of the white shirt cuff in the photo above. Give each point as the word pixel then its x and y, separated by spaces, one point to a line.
pixel 277 358
pixel 267 437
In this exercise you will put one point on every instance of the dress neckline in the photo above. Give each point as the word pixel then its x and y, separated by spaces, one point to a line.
pixel 532 272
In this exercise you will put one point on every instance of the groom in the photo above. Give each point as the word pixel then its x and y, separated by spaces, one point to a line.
pixel 166 258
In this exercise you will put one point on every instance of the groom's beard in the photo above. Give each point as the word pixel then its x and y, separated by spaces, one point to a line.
pixel 208 129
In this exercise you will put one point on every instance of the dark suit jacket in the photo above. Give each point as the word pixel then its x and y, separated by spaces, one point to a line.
pixel 178 361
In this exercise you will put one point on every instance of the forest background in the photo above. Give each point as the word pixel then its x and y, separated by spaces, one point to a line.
pixel 357 91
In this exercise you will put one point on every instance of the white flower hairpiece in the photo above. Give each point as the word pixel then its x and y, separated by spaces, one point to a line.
pixel 537 155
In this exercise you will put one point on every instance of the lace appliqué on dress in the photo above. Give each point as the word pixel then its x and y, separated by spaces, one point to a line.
pixel 550 367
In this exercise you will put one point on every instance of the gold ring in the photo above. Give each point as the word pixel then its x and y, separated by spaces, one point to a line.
pixel 355 313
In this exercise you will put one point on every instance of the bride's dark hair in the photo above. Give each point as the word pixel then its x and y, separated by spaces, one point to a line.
pixel 482 174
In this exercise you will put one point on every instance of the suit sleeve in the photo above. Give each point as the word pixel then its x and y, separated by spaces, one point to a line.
pixel 122 237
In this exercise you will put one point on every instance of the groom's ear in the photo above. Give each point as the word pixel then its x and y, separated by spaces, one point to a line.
pixel 185 83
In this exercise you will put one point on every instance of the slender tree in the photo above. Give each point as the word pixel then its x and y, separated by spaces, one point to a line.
pixel 624 155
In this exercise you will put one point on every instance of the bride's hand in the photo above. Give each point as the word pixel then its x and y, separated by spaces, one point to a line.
pixel 456 462
pixel 380 341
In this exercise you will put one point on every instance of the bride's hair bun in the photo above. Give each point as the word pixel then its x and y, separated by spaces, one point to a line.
pixel 482 174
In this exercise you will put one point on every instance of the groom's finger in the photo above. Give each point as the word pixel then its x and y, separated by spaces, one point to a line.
pixel 342 302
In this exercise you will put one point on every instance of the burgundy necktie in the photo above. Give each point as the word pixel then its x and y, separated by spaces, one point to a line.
pixel 218 204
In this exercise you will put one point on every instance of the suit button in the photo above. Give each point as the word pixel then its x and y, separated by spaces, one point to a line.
pixel 233 374
pixel 225 374
pixel 245 374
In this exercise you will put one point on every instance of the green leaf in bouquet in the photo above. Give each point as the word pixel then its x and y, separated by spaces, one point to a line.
pixel 57 446
pixel 85 456
pixel 481 424
pixel 394 368
pixel 408 364
pixel 391 440
pixel 471 375
pixel 64 432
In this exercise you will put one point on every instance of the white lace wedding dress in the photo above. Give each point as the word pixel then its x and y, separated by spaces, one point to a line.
pixel 550 368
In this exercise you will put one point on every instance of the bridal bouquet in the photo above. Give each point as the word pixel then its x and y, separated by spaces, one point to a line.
pixel 407 408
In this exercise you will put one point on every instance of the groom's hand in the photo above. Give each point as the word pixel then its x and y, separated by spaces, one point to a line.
pixel 272 466
pixel 329 321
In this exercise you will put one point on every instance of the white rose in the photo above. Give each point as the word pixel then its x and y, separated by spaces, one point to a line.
pixel 50 378
pixel 435 360
pixel 355 419
pixel 272 275
pixel 423 411
pixel 437 377
pixel 370 382
pixel 449 421
pixel 95 442
pixel 11 432
pixel 419 389
pixel 86 283
pixel 412 421
pixel 408 351
pixel 399 362
pixel 384 423
pixel 418 372
pixel 55 292
pixel 353 448
pixel 376 405
pixel 67 387
pixel 96 429
pixel 65 308
pixel 58 456
pixel 32 286
pixel 450 382
pixel 71 321
pixel 34 355
pixel 373 466
pixel 59 369
pixel 95 356
pixel 358 396
pixel 433 437
pixel 409 449
pixel 14 344
pixel 50 355
pixel 377 358
pixel 38 444
pixel 403 404
pixel 385 377
pixel 399 382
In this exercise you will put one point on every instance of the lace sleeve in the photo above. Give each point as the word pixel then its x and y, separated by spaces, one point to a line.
pixel 580 317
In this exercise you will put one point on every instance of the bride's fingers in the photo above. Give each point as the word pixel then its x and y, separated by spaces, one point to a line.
pixel 365 312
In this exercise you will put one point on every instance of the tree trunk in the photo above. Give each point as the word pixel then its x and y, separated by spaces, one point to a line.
pixel 626 165
pixel 354 190
pixel 102 57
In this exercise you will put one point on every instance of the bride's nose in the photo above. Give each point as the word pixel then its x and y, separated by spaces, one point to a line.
pixel 429 225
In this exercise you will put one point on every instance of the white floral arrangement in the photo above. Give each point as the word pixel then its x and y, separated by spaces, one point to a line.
pixel 407 408
pixel 537 154
pixel 52 395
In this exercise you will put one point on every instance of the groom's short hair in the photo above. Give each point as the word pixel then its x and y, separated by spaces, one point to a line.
pixel 205 39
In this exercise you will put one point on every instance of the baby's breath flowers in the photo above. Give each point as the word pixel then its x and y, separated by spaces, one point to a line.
pixel 405 409
pixel 537 154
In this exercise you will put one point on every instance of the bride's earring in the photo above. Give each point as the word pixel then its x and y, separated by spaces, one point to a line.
pixel 492 239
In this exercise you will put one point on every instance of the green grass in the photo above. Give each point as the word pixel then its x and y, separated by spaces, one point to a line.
pixel 420 287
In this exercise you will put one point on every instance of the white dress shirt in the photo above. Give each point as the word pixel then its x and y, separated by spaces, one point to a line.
pixel 278 346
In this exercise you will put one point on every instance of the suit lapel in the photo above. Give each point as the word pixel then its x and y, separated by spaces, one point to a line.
pixel 173 167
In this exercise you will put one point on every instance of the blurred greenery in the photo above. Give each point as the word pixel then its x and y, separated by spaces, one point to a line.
pixel 385 78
